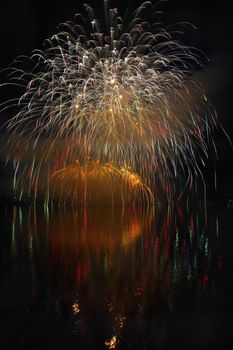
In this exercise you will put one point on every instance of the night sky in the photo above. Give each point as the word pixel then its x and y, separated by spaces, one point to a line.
pixel 25 24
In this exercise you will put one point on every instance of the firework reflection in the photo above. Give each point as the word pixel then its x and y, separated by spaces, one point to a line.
pixel 114 275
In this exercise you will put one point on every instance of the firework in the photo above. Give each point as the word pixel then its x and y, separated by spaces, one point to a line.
pixel 93 180
pixel 114 99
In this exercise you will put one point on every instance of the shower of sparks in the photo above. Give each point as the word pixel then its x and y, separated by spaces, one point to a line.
pixel 115 97
pixel 81 179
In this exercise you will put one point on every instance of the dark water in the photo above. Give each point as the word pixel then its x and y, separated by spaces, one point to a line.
pixel 116 279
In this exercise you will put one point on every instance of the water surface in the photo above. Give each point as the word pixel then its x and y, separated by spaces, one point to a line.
pixel 130 278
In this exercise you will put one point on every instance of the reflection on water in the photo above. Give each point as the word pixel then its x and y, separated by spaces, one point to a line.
pixel 115 279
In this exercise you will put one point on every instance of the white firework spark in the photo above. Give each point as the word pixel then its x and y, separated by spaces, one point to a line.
pixel 124 95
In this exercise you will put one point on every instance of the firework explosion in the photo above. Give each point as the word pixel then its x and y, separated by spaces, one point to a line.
pixel 109 100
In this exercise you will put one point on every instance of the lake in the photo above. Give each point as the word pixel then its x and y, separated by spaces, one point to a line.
pixel 116 278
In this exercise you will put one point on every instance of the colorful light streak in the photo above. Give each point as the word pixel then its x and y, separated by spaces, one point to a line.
pixel 124 94
pixel 169 255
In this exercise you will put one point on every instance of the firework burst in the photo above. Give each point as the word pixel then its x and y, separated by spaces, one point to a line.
pixel 102 180
pixel 109 100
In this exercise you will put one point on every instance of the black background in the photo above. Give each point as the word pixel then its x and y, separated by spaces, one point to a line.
pixel 25 24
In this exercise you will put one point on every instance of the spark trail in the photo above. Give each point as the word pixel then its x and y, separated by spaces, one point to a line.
pixel 121 95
